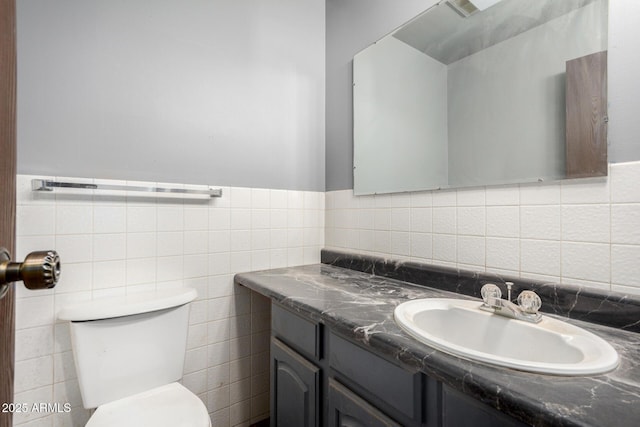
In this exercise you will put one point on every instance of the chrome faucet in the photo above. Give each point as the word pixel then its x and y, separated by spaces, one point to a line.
pixel 527 308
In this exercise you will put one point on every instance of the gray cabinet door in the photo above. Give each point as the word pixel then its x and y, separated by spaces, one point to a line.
pixel 346 409
pixel 294 388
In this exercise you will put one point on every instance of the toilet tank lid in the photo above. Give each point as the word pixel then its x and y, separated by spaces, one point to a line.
pixel 136 303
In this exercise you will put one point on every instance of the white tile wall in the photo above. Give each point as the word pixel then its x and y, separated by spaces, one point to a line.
pixel 118 243
pixel 584 232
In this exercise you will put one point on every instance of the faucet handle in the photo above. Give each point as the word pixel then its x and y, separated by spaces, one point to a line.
pixel 529 302
pixel 490 292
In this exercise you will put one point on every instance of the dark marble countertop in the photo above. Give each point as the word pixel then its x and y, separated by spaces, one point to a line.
pixel 360 307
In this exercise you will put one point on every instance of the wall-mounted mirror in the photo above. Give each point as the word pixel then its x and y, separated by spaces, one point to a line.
pixel 483 92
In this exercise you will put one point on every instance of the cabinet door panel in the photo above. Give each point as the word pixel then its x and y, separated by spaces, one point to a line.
pixel 294 388
pixel 346 409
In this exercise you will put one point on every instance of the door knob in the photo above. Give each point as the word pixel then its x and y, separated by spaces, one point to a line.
pixel 40 270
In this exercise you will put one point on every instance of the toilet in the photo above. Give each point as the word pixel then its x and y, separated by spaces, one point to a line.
pixel 129 354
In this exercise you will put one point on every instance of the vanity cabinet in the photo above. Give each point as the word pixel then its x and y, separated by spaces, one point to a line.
pixel 320 378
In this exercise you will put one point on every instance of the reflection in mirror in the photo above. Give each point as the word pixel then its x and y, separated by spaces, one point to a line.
pixel 482 92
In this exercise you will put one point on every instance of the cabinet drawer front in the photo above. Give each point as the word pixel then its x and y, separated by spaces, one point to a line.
pixel 346 409
pixel 298 332
pixel 398 388
pixel 459 410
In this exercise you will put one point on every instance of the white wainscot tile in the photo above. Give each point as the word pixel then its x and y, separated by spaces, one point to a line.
pixel 195 266
pixel 197 336
pixel 540 222
pixel 540 194
pixel 240 197
pixel 503 253
pixel 240 390
pixel 540 257
pixel 27 244
pixel 586 223
pixel 382 242
pixel 34 311
pixel 625 223
pixel 586 261
pixel 277 258
pixel 471 197
pixel 109 219
pixel 30 398
pixel 240 219
pixel 220 330
pixel 75 248
pixel 444 198
pixel 260 239
pixel 170 268
pixel 196 242
pixel 240 262
pixel 141 270
pixel 240 412
pixel 141 219
pixel 108 247
pixel 35 220
pixel 240 369
pixel 109 274
pixel 278 199
pixel 382 219
pixel 141 245
pixel 503 221
pixel 421 245
pixel 219 219
pixel 260 218
pixel 625 265
pixel 624 182
pixel 218 354
pixel 63 367
pixel 77 277
pixel 33 373
pixel 422 199
pixel 74 219
pixel 33 342
pixel 219 241
pixel 170 218
pixel 196 218
pixel 401 219
pixel 195 382
pixel 582 191
pixel 218 376
pixel 471 250
pixel 170 243
pixel 421 220
pixel 220 286
pixel 503 196
pixel 444 247
pixel 196 360
pixel 401 200
pixel 400 243
pixel 260 260
pixel 471 221
pixel 444 220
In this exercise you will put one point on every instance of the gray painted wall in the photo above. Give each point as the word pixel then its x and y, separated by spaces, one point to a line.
pixel 354 24
pixel 207 92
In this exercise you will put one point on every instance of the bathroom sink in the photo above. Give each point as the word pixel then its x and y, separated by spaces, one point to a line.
pixel 460 328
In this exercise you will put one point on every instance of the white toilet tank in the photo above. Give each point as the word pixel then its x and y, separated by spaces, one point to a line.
pixel 127 345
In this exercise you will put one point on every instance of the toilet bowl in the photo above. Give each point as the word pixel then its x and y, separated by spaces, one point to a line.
pixel 129 354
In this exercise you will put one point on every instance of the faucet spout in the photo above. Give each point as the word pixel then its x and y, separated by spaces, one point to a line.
pixel 495 304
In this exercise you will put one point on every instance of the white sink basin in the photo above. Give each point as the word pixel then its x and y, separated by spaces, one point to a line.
pixel 460 328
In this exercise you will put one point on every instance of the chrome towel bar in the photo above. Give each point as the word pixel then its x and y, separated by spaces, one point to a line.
pixel 46 185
